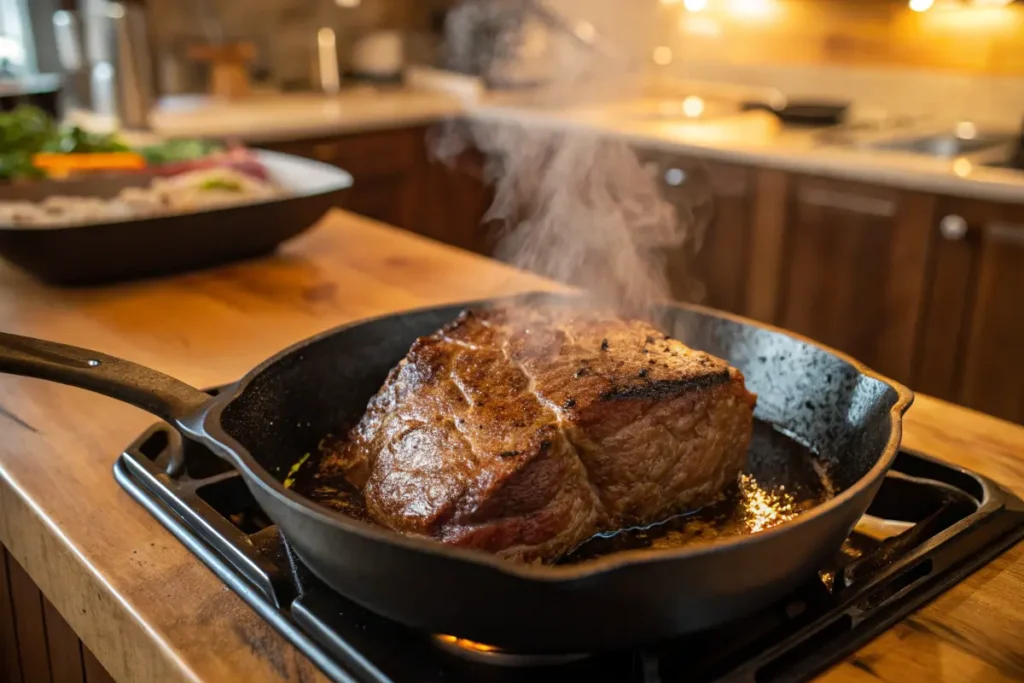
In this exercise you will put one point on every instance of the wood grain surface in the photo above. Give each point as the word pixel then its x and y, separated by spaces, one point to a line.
pixel 151 612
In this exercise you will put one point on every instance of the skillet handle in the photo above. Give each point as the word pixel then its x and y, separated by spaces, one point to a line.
pixel 154 392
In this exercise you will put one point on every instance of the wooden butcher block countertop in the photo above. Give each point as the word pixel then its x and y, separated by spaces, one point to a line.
pixel 150 611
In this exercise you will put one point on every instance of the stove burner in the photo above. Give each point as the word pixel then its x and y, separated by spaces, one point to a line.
pixel 489 654
pixel 930 525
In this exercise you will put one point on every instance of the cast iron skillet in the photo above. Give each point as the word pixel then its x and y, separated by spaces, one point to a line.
pixel 284 406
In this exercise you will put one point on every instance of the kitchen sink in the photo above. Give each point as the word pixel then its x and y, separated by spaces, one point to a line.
pixel 965 139
pixel 942 144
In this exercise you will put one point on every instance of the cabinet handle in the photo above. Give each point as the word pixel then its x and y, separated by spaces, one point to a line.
pixel 672 176
pixel 873 206
pixel 953 227
pixel 675 176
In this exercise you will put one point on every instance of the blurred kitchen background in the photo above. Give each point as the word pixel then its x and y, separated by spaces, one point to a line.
pixel 911 57
pixel 849 169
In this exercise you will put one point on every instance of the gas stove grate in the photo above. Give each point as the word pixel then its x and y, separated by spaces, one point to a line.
pixel 953 522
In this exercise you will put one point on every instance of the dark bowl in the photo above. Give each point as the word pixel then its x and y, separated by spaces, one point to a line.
pixel 98 253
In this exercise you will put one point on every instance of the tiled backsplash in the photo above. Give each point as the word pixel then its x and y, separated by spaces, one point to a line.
pixel 284 31
pixel 953 35
pixel 952 61
pixel 956 63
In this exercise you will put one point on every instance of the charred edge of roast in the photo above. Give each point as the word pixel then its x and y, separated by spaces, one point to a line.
pixel 666 388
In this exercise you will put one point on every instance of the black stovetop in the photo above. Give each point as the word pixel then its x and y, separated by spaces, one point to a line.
pixel 931 525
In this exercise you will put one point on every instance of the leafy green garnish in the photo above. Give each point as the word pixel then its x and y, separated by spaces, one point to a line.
pixel 221 184
pixel 26 131
pixel 178 150
pixel 75 140
pixel 23 132
pixel 18 165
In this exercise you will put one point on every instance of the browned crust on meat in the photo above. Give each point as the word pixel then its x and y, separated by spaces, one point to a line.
pixel 525 431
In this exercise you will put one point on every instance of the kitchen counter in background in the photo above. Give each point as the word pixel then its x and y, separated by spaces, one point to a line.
pixel 750 138
pixel 151 611
pixel 276 117
pixel 757 138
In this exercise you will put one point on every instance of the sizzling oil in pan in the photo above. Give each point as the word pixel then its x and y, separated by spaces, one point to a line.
pixel 783 478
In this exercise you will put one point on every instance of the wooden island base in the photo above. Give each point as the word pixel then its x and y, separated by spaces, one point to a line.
pixel 151 612
pixel 36 643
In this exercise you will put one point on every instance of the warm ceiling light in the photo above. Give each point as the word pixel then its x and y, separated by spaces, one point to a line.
pixel 693 106
pixel 751 8
pixel 962 167
pixel 662 56
pixel 347 3
pixel 921 5
pixel 695 5
pixel 585 31
pixel 966 130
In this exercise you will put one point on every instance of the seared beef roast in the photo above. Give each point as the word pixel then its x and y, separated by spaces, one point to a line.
pixel 524 432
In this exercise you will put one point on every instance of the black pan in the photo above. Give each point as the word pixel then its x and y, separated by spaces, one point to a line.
pixel 805 112
pixel 104 252
pixel 282 408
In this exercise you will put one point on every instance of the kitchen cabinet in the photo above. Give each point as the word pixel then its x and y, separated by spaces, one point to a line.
pixel 853 269
pixel 972 339
pixel 921 288
pixel 925 289
pixel 383 165
pixel 455 196
pixel 388 200
pixel 36 643
pixel 397 180
pixel 714 203
pixel 722 260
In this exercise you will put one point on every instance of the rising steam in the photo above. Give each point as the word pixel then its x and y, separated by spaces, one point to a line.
pixel 583 211
pixel 575 207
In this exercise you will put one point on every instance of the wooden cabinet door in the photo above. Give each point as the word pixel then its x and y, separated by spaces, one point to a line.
pixel 455 192
pixel 385 165
pixel 714 204
pixel 397 180
pixel 853 269
pixel 388 199
pixel 972 342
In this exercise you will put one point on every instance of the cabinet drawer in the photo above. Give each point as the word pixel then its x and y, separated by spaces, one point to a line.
pixel 973 327
pixel 378 153
pixel 374 153
pixel 381 201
